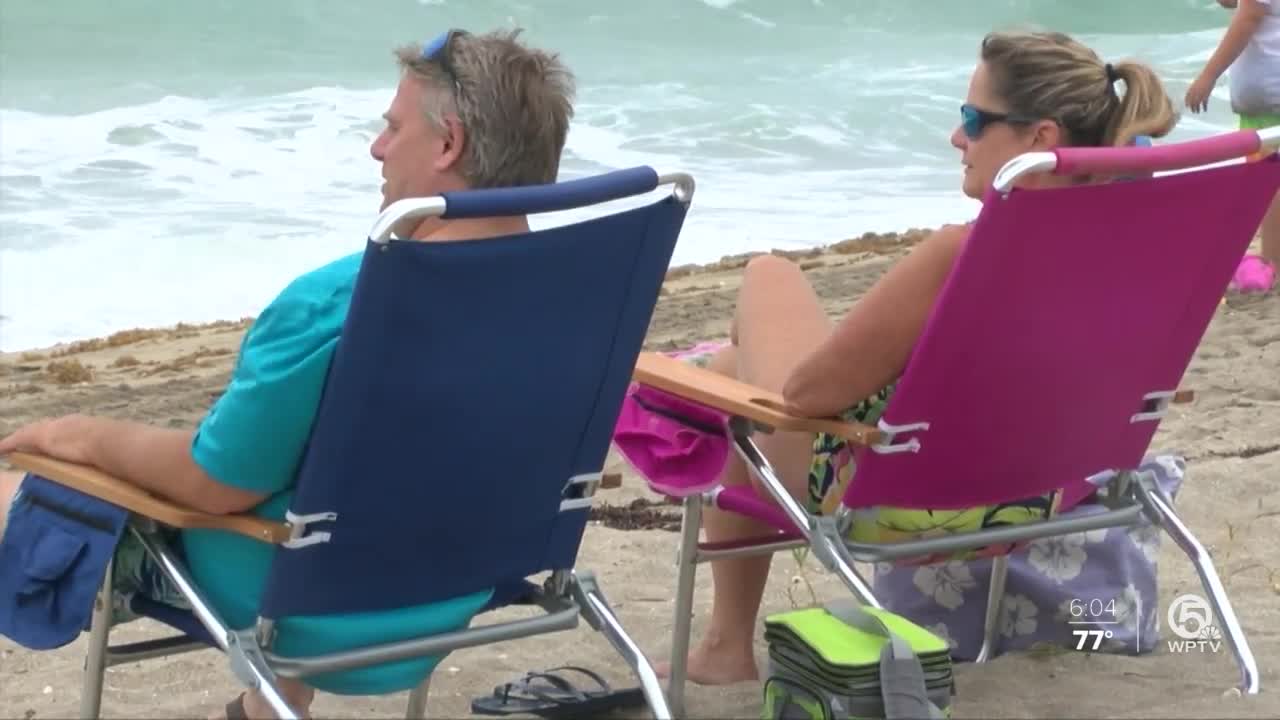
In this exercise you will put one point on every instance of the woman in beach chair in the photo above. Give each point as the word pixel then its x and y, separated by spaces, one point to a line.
pixel 1028 92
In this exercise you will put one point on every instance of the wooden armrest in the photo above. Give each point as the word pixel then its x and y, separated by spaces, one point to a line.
pixel 91 481
pixel 738 398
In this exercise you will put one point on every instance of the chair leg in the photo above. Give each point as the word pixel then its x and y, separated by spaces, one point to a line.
pixel 417 707
pixel 95 661
pixel 687 573
pixel 1165 516
pixel 601 617
pixel 830 550
pixel 842 565
pixel 995 596
pixel 241 646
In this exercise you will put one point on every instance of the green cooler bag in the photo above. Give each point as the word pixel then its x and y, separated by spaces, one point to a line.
pixel 846 661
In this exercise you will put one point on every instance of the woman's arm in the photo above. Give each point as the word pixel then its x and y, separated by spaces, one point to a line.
pixel 870 346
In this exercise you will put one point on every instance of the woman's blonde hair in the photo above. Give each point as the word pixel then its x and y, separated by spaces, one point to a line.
pixel 1050 75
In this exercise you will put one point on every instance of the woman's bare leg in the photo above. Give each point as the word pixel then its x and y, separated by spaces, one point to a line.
pixel 778 321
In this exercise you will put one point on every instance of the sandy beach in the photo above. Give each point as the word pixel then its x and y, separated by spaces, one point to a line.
pixel 1230 436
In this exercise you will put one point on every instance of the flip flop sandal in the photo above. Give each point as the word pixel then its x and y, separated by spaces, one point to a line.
pixel 550 695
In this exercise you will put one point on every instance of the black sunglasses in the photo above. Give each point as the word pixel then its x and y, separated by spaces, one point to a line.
pixel 974 120
pixel 437 51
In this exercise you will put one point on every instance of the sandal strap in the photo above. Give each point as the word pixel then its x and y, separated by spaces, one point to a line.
pixel 604 684
pixel 555 681
pixel 556 689
pixel 530 693
pixel 549 687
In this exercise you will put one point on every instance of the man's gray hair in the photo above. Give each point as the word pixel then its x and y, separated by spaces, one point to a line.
pixel 514 103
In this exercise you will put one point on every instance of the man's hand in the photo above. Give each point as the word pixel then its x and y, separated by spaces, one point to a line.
pixel 1197 98
pixel 65 438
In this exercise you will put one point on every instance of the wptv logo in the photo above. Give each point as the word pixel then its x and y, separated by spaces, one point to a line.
pixel 1191 619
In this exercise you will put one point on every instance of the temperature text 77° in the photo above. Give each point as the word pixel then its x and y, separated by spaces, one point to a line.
pixel 1084 635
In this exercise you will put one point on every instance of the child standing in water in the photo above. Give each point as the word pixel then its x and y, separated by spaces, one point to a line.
pixel 1251 49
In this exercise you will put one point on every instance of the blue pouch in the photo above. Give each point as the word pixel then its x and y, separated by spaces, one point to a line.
pixel 53 557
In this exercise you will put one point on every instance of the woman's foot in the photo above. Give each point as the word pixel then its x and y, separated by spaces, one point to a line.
pixel 715 668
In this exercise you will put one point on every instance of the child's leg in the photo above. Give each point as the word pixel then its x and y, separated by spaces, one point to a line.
pixel 1271 233
pixel 1270 227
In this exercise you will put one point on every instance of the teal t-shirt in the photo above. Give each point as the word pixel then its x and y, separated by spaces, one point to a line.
pixel 253 438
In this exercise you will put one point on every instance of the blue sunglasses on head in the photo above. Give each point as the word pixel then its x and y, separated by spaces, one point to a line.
pixel 974 120
pixel 437 51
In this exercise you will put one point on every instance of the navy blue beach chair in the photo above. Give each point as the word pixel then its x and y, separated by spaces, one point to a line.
pixel 462 433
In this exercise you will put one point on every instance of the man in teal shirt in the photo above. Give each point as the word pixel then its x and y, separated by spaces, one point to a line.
pixel 470 111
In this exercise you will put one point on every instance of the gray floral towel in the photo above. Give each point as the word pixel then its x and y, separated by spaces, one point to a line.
pixel 1093 591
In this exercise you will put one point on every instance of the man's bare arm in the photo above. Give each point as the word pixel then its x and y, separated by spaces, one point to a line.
pixel 156 459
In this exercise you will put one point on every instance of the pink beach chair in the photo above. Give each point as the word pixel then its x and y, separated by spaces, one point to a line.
pixel 1055 349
